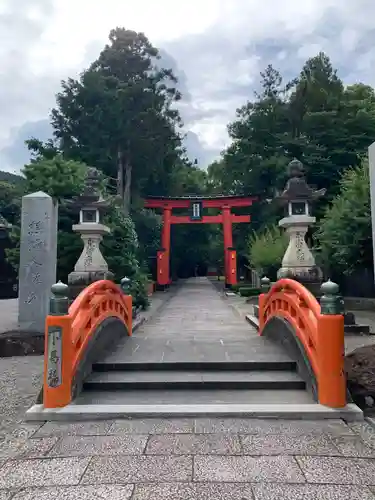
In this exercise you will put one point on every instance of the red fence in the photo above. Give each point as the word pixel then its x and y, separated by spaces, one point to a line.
pixel 321 335
pixel 68 335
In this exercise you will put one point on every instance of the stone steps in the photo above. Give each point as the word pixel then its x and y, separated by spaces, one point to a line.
pixel 193 380
pixel 273 364
pixel 101 407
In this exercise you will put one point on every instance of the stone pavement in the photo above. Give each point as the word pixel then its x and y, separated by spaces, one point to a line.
pixel 196 325
pixel 20 382
pixel 184 459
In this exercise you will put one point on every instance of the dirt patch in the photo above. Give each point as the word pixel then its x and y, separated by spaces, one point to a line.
pixel 360 372
pixel 19 344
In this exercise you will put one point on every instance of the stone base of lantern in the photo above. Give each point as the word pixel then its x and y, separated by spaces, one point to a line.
pixel 299 262
pixel 79 280
pixel 309 277
pixel 91 265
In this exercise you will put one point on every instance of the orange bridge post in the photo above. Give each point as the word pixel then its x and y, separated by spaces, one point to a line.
pixel 58 350
pixel 69 329
pixel 331 344
pixel 318 327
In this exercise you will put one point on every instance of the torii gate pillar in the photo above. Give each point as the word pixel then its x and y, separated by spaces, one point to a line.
pixel 195 205
pixel 230 256
pixel 163 257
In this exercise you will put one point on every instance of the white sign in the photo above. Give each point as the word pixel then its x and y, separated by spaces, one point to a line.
pixel 196 210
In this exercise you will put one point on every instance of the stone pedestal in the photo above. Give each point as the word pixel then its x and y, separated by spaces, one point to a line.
pixel 298 262
pixel 38 256
pixel 91 265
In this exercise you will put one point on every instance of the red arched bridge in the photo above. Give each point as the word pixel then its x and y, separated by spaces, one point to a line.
pixel 196 355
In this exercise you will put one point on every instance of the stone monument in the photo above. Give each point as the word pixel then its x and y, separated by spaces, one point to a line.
pixel 299 262
pixel 38 256
pixel 91 265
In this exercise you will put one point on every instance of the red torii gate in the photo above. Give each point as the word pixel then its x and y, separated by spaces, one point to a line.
pixel 196 204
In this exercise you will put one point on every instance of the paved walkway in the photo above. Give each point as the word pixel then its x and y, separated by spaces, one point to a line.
pixel 203 459
pixel 196 324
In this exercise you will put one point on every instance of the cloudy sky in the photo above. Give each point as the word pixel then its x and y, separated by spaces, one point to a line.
pixel 217 48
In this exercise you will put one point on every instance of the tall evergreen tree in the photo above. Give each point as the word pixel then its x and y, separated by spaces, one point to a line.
pixel 119 116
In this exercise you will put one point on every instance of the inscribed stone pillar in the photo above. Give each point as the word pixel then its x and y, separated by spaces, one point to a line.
pixel 38 256
pixel 371 158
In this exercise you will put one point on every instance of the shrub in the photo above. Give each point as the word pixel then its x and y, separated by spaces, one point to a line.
pixel 266 250
pixel 120 249
pixel 248 291
pixel 345 237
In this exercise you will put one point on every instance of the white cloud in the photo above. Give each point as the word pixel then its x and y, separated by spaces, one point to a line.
pixel 220 45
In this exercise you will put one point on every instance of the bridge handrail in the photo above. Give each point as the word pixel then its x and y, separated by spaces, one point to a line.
pixel 321 335
pixel 73 332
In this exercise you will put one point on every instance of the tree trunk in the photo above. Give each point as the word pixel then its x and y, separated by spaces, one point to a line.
pixel 124 180
pixel 127 187
pixel 120 175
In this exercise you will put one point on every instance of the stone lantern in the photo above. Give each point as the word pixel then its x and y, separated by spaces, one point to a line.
pixel 299 262
pixel 91 265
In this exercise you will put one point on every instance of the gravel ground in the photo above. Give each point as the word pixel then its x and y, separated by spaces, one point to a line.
pixel 20 382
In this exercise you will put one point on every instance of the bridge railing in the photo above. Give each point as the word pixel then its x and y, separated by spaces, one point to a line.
pixel 76 334
pixel 319 329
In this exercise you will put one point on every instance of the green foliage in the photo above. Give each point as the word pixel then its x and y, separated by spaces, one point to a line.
pixel 10 200
pixel 138 290
pixel 327 126
pixel 42 150
pixel 148 226
pixel 216 247
pixel 69 244
pixel 10 178
pixel 120 249
pixel 245 291
pixel 344 236
pixel 266 250
pixel 313 118
pixel 63 179
pixel 119 116
pixel 13 254
pixel 55 176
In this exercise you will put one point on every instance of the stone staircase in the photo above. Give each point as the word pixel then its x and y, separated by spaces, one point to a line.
pixel 193 383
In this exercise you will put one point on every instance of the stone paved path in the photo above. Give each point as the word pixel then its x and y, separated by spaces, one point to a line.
pixel 20 382
pixel 205 459
pixel 196 324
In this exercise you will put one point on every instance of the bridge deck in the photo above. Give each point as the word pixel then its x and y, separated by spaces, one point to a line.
pixel 196 324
